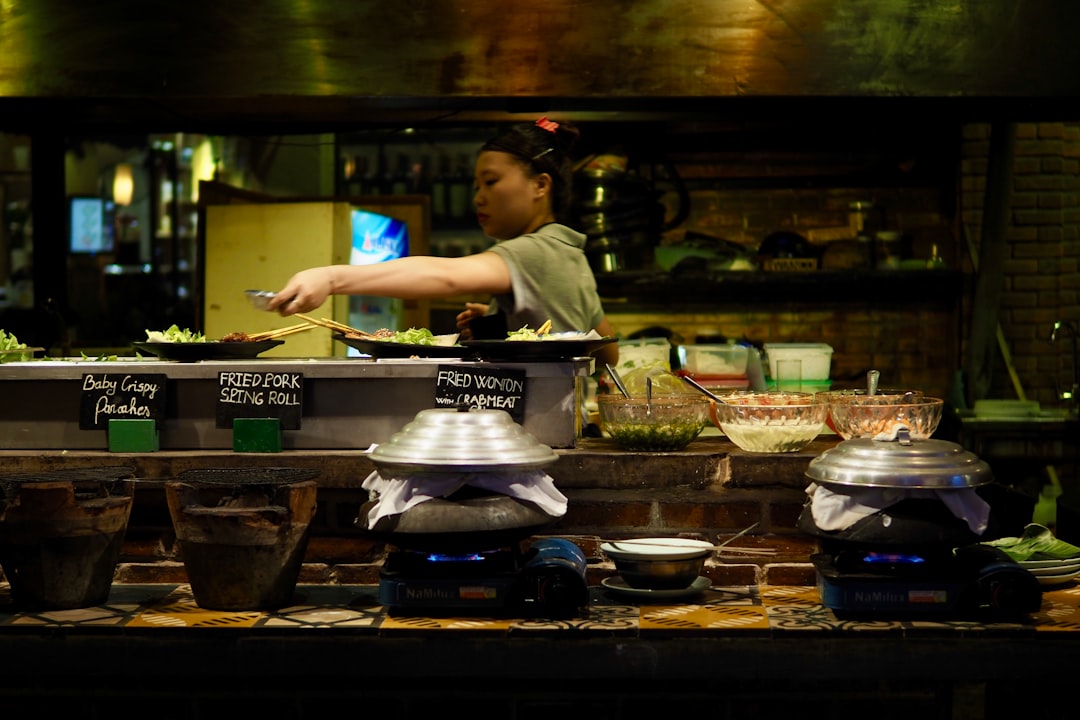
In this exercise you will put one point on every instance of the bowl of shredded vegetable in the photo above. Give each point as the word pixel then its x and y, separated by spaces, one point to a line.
pixel 664 423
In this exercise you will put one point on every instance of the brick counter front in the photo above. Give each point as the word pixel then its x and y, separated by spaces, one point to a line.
pixel 710 490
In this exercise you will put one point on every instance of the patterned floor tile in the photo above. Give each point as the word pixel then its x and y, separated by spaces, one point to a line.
pixel 772 595
pixel 704 617
pixel 100 616
pixel 394 623
pixel 1060 610
pixel 801 617
pixel 739 608
pixel 188 614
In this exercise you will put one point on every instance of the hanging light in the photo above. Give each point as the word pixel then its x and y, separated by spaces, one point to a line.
pixel 123 184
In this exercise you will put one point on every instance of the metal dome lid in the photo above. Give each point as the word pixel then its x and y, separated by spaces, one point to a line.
pixel 867 462
pixel 462 440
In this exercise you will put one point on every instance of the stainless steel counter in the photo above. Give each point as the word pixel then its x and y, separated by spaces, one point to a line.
pixel 1048 436
pixel 348 403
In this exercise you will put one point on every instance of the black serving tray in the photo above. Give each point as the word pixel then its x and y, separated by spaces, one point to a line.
pixel 213 350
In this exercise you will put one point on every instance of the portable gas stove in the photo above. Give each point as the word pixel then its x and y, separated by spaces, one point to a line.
pixel 911 546
pixel 969 580
pixel 547 580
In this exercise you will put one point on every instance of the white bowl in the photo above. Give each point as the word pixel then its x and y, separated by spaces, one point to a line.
pixel 658 563
pixel 657 548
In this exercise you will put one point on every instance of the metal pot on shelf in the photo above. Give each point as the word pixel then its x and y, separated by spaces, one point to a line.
pixel 622 217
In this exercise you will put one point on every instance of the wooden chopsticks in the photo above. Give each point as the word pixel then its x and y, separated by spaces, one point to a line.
pixel 280 332
pixel 334 325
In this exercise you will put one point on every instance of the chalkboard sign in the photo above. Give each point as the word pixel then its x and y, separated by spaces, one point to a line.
pixel 486 388
pixel 260 395
pixel 107 396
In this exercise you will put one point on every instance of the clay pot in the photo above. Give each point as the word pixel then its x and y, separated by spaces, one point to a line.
pixel 59 549
pixel 244 550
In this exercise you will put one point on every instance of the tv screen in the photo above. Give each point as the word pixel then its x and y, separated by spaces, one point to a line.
pixel 90 225
pixel 376 238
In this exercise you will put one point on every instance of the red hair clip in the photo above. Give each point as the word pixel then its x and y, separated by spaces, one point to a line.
pixel 549 125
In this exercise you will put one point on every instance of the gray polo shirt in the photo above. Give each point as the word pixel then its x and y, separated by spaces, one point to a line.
pixel 550 279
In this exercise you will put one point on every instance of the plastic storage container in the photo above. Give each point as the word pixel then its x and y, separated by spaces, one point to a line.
pixel 808 386
pixel 716 361
pixel 816 358
pixel 644 353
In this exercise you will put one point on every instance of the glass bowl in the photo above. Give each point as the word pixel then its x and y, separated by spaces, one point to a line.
pixel 770 422
pixel 832 396
pixel 862 416
pixel 838 395
pixel 669 422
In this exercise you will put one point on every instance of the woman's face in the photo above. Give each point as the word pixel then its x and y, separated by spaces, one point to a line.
pixel 508 201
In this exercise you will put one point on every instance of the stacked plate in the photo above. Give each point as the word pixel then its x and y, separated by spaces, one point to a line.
pixel 1053 572
pixel 1050 560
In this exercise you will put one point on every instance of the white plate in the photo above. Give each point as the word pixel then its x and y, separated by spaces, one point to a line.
pixel 1058 579
pixel 1040 564
pixel 1060 570
pixel 657 548
pixel 618 586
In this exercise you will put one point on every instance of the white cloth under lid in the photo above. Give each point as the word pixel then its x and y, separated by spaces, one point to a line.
pixel 840 510
pixel 395 495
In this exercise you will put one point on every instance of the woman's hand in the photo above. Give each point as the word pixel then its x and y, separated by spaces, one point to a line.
pixel 306 290
pixel 472 310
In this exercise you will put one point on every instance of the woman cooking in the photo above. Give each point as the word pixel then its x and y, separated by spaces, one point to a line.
pixel 537 271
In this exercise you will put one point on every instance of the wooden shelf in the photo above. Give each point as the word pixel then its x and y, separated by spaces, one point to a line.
pixel 642 290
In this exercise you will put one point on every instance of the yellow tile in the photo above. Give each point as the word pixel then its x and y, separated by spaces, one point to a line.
pixel 703 617
pixel 477 624
pixel 184 614
pixel 1060 610
pixel 790 595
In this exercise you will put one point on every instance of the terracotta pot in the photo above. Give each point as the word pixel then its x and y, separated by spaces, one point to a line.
pixel 58 550
pixel 244 551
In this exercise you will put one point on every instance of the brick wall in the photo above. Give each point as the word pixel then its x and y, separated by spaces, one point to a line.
pixel 1042 274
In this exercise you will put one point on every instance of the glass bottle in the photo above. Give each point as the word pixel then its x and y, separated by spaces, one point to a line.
pixel 461 190
pixel 440 189
pixel 380 181
pixel 402 181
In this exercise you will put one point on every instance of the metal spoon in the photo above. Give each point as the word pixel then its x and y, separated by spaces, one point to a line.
pixel 701 388
pixel 872 378
pixel 617 380
pixel 648 397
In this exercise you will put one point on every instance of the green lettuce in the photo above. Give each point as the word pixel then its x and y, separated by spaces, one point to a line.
pixel 174 335
pixel 413 336
pixel 8 341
